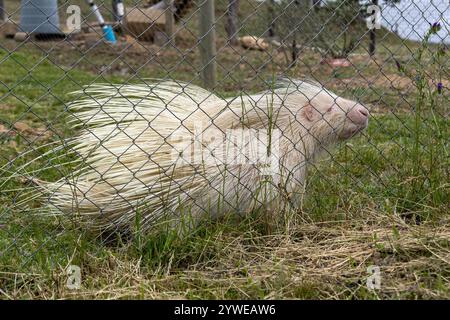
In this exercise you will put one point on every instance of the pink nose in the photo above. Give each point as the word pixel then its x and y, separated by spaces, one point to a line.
pixel 358 115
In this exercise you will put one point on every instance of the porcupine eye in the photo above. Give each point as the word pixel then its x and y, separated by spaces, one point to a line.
pixel 329 109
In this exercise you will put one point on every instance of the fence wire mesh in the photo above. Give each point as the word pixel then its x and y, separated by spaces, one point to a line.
pixel 172 112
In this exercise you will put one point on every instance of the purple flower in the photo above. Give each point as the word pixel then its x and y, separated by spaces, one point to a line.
pixel 435 27
pixel 399 66
pixel 439 87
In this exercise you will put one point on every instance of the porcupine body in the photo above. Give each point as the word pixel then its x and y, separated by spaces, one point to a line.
pixel 161 151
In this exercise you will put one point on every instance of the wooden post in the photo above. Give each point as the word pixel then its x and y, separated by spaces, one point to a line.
pixel 170 21
pixel 373 36
pixel 373 41
pixel 2 11
pixel 232 21
pixel 207 43
pixel 294 39
pixel 271 10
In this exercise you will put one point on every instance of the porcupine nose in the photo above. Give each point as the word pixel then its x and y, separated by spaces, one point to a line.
pixel 359 115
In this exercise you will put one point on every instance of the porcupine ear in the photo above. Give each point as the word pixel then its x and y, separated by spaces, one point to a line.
pixel 309 112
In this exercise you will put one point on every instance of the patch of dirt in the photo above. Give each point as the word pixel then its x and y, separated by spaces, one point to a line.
pixel 27 131
pixel 5 107
pixel 5 131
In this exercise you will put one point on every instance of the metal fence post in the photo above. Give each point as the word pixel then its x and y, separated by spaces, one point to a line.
pixel 118 10
pixel 207 43
pixel 170 21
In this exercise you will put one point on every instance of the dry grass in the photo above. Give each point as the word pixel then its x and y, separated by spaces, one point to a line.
pixel 315 260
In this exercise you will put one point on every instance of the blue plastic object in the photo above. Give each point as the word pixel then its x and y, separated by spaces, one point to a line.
pixel 109 35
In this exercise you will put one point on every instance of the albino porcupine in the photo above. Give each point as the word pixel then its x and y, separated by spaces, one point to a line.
pixel 167 150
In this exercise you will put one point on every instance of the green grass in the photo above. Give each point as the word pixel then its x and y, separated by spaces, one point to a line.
pixel 359 209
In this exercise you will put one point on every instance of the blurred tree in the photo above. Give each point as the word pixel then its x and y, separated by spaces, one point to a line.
pixel 335 28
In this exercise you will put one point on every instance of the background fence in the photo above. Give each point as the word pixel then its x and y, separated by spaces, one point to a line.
pixel 397 167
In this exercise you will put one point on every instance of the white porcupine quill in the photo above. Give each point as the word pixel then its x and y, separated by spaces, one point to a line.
pixel 128 135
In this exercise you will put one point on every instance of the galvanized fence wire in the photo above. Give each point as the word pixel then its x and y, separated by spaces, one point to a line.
pixel 298 39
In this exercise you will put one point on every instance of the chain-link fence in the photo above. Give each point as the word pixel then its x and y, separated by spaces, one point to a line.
pixel 123 119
